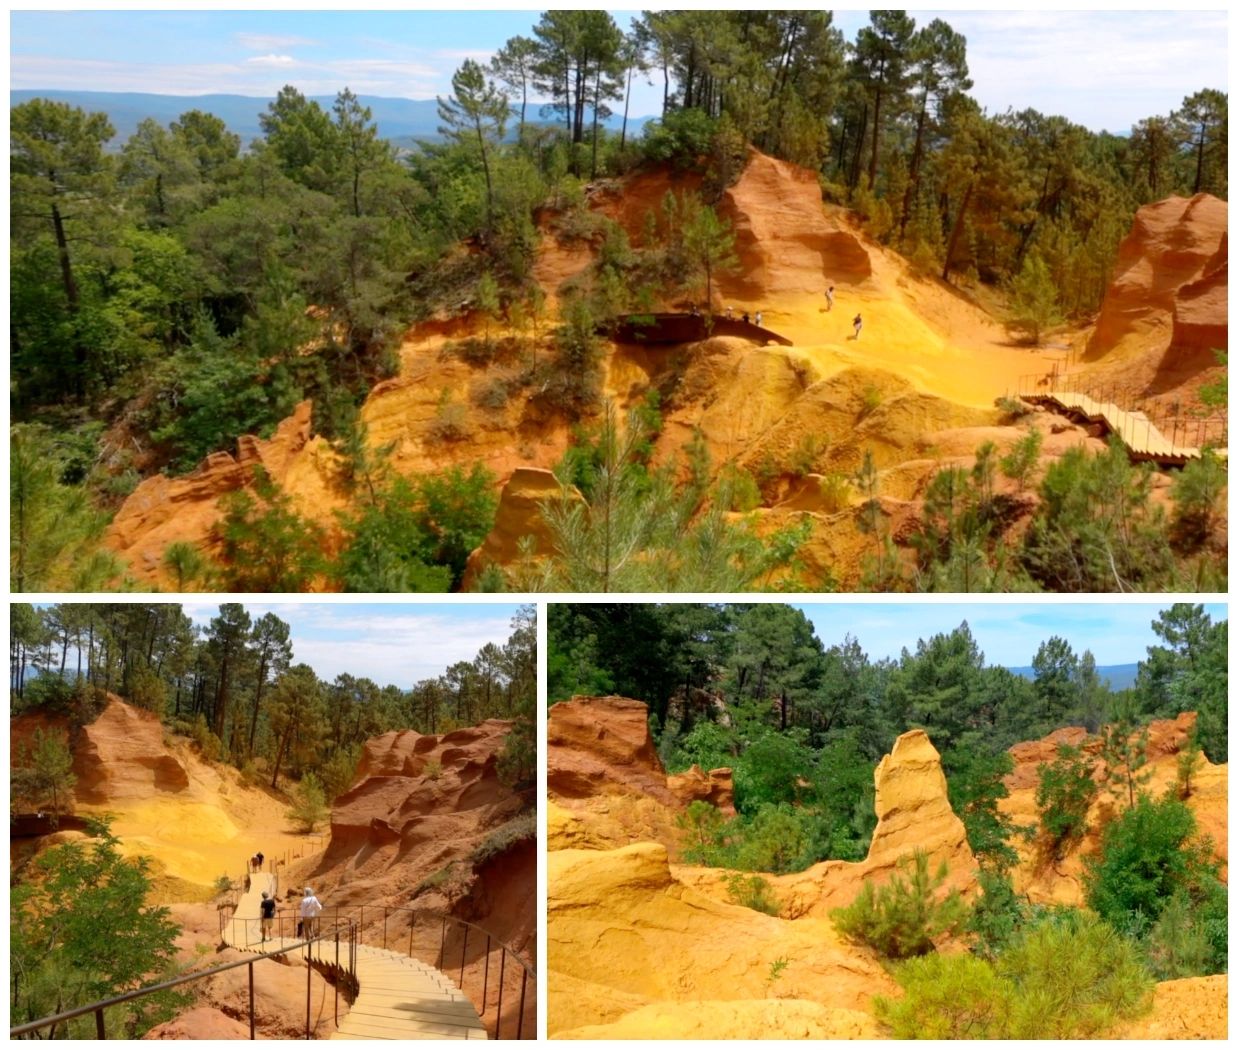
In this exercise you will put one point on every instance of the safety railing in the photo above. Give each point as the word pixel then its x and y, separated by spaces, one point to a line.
pixel 1176 423
pixel 344 965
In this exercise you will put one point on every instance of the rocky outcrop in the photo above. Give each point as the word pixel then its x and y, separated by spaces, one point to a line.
pixel 519 518
pixel 1190 1008
pixel 424 799
pixel 601 745
pixel 913 813
pixel 163 510
pixel 1174 244
pixel 785 242
pixel 121 755
pixel 715 787
pixel 623 933
pixel 1062 882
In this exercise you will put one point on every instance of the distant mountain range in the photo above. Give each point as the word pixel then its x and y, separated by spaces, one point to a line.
pixel 1120 676
pixel 402 120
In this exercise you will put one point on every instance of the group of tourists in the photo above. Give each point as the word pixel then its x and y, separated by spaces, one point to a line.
pixel 307 912
pixel 857 323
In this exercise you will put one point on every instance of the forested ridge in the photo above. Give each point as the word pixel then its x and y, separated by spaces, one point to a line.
pixel 801 723
pixel 190 288
pixel 233 687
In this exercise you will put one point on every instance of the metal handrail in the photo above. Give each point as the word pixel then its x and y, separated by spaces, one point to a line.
pixel 97 1008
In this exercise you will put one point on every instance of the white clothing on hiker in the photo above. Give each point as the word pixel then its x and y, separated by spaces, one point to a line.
pixel 758 318
pixel 829 298
pixel 311 908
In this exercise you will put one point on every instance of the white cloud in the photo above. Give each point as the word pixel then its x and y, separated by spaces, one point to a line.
pixel 272 60
pixel 272 42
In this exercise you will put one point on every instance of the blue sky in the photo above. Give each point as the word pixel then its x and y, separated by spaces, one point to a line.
pixel 1008 633
pixel 391 644
pixel 1103 69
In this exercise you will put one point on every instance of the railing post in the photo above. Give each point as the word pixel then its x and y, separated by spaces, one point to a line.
pixel 485 981
pixel 308 975
pixel 442 942
pixel 100 1032
pixel 251 1000
pixel 524 980
pixel 498 1011
pixel 384 927
pixel 412 921
pixel 464 946
pixel 337 965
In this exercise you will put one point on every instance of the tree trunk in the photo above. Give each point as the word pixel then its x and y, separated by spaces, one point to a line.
pixel 253 721
pixel 71 298
pixel 597 90
pixel 485 164
pixel 279 754
pixel 917 155
pixel 957 230
pixel 627 97
pixel 1199 156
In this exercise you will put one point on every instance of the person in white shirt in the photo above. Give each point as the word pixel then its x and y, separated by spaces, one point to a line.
pixel 311 908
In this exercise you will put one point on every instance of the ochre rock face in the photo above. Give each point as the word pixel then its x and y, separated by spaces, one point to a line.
pixel 164 510
pixel 744 1019
pixel 785 242
pixel 519 515
pixel 1190 1008
pixel 1062 883
pixel 121 755
pixel 623 933
pixel 420 797
pixel 1170 278
pixel 913 813
pixel 601 745
pixel 715 787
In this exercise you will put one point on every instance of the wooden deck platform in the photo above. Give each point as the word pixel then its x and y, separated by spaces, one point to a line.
pixel 398 997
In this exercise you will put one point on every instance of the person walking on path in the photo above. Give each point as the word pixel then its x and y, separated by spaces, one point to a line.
pixel 259 858
pixel 311 908
pixel 858 323
pixel 268 914
pixel 758 319
pixel 829 299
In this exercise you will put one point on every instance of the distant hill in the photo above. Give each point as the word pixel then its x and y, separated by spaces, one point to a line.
pixel 402 120
pixel 1120 676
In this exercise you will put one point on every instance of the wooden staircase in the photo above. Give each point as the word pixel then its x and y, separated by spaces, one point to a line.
pixel 1144 442
pixel 398 997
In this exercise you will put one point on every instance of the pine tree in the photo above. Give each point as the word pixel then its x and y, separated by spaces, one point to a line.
pixel 1033 299
pixel 475 115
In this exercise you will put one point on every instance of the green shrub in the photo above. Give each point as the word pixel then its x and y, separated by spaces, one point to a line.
pixel 905 916
pixel 1146 857
pixel 1063 795
pixel 1069 979
pixel 751 891
pixel 309 808
pixel 1074 979
pixel 997 916
pixel 504 837
pixel 947 997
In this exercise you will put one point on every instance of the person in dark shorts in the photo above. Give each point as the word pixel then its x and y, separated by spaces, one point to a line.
pixel 268 914
pixel 858 323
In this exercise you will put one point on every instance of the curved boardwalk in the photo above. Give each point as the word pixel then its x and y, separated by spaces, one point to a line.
pixel 1143 441
pixel 399 997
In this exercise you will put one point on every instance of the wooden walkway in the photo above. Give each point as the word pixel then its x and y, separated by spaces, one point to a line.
pixel 1143 441
pixel 398 997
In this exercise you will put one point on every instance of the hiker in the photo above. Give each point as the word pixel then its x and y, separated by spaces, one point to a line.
pixel 829 299
pixel 311 908
pixel 730 313
pixel 260 859
pixel 268 914
pixel 758 319
pixel 745 317
pixel 859 323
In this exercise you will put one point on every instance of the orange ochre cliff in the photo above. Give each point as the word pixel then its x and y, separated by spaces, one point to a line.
pixel 642 946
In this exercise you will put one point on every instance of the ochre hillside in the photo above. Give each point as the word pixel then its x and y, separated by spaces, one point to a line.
pixel 917 388
pixel 640 946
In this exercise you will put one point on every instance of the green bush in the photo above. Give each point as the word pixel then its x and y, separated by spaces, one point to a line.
pixel 504 837
pixel 947 997
pixel 1070 979
pixel 751 891
pixel 997 916
pixel 1147 856
pixel 1074 979
pixel 905 916
pixel 682 137
pixel 1063 795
